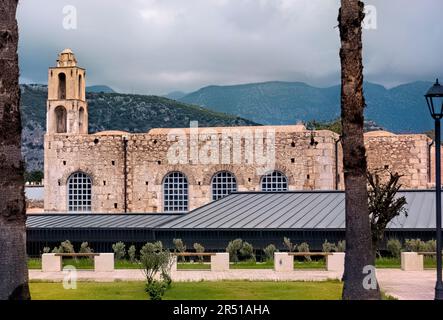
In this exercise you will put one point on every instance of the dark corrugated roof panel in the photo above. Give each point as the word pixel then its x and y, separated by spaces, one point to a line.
pixel 251 210
pixel 98 221
pixel 296 210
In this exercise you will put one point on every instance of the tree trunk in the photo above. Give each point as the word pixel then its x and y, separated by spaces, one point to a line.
pixel 358 231
pixel 13 268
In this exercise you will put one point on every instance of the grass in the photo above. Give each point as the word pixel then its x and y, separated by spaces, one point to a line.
pixel 88 264
pixel 83 263
pixel 388 262
pixel 219 290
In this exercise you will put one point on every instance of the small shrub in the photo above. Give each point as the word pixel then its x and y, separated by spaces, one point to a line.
pixel 179 247
pixel 84 248
pixel 430 246
pixel 156 289
pixel 247 251
pixel 414 245
pixel 199 249
pixel 269 252
pixel 328 246
pixel 233 249
pixel 154 260
pixel 394 247
pixel 67 247
pixel 119 250
pixel 46 250
pixel 289 245
pixel 56 250
pixel 304 247
pixel 341 246
pixel 131 253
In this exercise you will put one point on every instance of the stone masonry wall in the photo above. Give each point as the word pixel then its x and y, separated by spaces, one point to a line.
pixel 306 158
pixel 405 154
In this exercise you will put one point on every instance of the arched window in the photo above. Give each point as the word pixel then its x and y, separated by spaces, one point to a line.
pixel 61 86
pixel 60 119
pixel 223 183
pixel 175 192
pixel 274 181
pixel 81 115
pixel 79 192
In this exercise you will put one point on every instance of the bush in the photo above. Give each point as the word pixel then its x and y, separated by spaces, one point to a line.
pixel 84 248
pixel 289 245
pixel 131 253
pixel 156 289
pixel 199 249
pixel 328 246
pixel 247 251
pixel 119 250
pixel 154 260
pixel 304 247
pixel 56 250
pixel 341 246
pixel 394 247
pixel 269 252
pixel 430 246
pixel 179 247
pixel 415 245
pixel 233 249
pixel 65 247
pixel 46 250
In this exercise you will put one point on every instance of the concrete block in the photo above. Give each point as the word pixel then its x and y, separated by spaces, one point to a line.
pixel 283 262
pixel 336 262
pixel 104 262
pixel 174 262
pixel 51 262
pixel 220 262
pixel 411 261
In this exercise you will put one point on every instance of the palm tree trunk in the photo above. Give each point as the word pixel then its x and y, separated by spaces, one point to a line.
pixel 358 232
pixel 13 268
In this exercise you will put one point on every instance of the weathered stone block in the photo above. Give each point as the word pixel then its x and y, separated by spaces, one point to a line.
pixel 220 262
pixel 283 262
pixel 51 262
pixel 104 262
pixel 411 261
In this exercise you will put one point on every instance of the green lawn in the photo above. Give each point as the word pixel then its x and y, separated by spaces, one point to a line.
pixel 384 262
pixel 220 290
pixel 86 263
pixel 83 263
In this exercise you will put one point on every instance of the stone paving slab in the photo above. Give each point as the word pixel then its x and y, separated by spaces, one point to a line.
pixel 403 285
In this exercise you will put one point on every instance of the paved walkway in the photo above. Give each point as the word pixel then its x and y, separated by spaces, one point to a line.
pixel 404 285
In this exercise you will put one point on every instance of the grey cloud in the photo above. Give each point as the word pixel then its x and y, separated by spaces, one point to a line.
pixel 159 46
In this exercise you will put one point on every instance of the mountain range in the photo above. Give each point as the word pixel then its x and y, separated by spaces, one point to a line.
pixel 113 111
pixel 401 109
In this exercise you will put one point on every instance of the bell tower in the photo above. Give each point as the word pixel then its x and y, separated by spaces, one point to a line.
pixel 67 109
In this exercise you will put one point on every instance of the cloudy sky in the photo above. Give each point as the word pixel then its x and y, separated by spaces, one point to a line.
pixel 158 46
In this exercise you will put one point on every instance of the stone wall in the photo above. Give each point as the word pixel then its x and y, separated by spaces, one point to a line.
pixel 306 158
pixel 405 154
pixel 100 157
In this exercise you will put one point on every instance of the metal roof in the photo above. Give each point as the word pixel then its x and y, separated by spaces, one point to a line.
pixel 296 210
pixel 97 221
pixel 303 210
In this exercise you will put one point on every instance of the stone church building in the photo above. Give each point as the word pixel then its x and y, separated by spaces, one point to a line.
pixel 178 170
